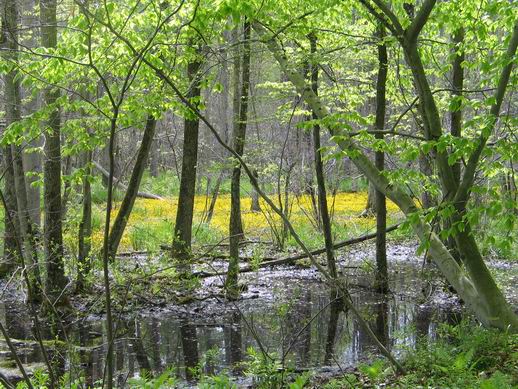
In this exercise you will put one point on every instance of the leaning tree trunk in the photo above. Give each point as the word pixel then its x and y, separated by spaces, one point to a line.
pixel 235 225
pixel 381 206
pixel 476 287
pixel 256 205
pixel 183 227
pixel 133 186
pixel 53 229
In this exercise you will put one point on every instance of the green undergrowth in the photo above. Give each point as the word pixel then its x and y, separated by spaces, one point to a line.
pixel 463 356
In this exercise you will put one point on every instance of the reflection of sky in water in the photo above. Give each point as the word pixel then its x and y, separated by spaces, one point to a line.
pixel 221 336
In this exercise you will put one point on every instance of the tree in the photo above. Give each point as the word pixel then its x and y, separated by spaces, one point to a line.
pixel 381 206
pixel 235 223
pixel 184 214
pixel 478 289
pixel 53 228
pixel 319 168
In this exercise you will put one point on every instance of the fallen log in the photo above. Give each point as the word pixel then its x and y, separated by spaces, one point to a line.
pixel 117 182
pixel 289 260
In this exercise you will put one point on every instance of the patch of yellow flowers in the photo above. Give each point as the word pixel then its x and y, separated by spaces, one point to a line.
pixel 147 214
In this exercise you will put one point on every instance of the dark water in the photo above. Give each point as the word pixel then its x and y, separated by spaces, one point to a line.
pixel 289 312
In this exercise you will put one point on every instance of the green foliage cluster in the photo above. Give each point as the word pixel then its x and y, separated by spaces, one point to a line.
pixel 463 356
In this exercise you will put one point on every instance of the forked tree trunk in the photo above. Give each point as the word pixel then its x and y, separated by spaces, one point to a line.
pixel 183 226
pixel 235 225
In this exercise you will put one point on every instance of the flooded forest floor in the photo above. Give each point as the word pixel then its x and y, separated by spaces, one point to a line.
pixel 284 311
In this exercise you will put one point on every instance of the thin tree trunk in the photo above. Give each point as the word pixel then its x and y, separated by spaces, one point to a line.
pixel 319 170
pixel 214 197
pixel 126 206
pixel 53 230
pixel 183 226
pixel 235 225
pixel 85 227
pixel 381 206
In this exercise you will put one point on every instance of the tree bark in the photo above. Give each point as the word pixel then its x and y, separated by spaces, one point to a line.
pixel 53 230
pixel 131 193
pixel 85 227
pixel 381 205
pixel 14 155
pixel 235 225
pixel 255 206
pixel 319 169
pixel 183 227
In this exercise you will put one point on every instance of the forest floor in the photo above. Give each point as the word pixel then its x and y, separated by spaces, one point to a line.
pixel 285 310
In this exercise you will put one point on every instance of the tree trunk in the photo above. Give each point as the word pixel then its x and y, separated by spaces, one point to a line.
pixel 85 227
pixel 456 121
pixel 11 253
pixel 255 206
pixel 183 227
pixel 214 197
pixel 370 208
pixel 381 206
pixel 131 193
pixel 319 170
pixel 27 229
pixel 53 233
pixel 235 225
pixel 14 154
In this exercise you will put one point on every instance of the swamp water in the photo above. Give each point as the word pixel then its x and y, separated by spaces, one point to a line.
pixel 287 311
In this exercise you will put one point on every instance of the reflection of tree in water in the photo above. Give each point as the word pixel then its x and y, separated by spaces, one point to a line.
pixel 297 316
pixel 332 327
pixel 189 347
pixel 234 342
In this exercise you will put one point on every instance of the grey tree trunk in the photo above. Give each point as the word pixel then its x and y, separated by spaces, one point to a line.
pixel 235 224
pixel 183 226
pixel 53 230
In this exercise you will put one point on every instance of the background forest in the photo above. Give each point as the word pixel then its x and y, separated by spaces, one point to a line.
pixel 226 193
